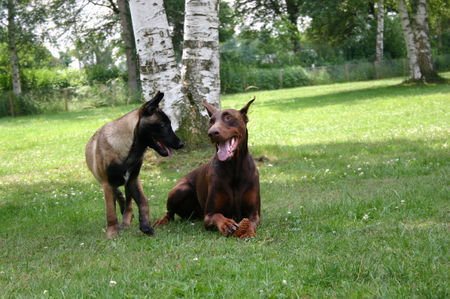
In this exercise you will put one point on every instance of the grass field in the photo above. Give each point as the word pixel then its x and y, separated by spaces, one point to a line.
pixel 355 203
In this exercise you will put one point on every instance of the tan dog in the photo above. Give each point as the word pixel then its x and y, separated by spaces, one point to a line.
pixel 115 155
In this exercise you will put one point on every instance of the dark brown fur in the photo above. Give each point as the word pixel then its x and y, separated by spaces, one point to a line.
pixel 221 192
pixel 115 153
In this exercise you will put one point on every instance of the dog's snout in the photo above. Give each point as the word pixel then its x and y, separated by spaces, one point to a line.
pixel 213 132
pixel 180 144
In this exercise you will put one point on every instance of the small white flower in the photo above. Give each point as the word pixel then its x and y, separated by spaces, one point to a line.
pixel 402 201
pixel 348 166
pixel 361 173
pixel 195 259
pixel 45 292
pixel 289 212
pixel 112 283
pixel 270 165
pixel 365 217
pixel 81 244
pixel 327 170
pixel 284 281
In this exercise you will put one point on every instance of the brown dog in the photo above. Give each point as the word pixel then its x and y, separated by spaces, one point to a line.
pixel 115 155
pixel 225 190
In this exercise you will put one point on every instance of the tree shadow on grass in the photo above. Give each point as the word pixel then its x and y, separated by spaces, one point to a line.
pixel 35 208
pixel 353 96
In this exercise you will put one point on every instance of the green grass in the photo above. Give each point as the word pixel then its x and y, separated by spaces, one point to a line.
pixel 355 202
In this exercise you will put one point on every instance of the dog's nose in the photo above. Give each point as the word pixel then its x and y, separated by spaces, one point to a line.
pixel 180 144
pixel 213 132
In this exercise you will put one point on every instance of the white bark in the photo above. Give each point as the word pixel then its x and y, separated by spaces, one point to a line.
pixel 380 31
pixel 408 34
pixel 422 40
pixel 156 57
pixel 14 59
pixel 200 58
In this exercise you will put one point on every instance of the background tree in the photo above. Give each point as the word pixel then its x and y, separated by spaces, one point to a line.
pixel 270 11
pixel 21 19
pixel 130 48
pixel 380 31
pixel 416 34
pixel 200 60
pixel 12 46
pixel 157 63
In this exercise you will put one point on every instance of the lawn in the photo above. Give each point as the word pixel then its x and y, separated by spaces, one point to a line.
pixel 355 203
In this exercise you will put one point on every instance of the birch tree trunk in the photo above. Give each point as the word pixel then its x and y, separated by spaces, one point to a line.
pixel 422 41
pixel 156 57
pixel 130 48
pixel 380 30
pixel 408 34
pixel 14 59
pixel 200 58
pixel 380 36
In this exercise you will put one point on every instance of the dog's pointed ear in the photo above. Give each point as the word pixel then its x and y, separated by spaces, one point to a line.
pixel 153 103
pixel 244 110
pixel 210 108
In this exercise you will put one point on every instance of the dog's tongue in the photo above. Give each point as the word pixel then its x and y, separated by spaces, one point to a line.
pixel 224 150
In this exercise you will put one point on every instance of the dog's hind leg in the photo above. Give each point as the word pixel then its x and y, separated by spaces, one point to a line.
pixel 181 201
pixel 111 217
pixel 127 214
pixel 135 189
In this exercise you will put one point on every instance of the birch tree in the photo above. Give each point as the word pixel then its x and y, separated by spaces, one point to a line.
pixel 12 45
pixel 379 47
pixel 408 34
pixel 198 79
pixel 156 57
pixel 200 68
pixel 416 34
pixel 200 58
pixel 422 40
pixel 380 31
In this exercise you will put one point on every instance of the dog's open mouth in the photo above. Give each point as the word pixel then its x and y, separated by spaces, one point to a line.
pixel 226 149
pixel 163 150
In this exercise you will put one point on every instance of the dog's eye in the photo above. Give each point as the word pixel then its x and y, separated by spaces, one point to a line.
pixel 211 121
pixel 227 117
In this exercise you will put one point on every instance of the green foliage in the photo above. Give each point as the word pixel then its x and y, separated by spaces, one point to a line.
pixel 354 204
pixel 100 73
pixel 238 78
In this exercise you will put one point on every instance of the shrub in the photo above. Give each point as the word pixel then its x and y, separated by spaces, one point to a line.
pixel 101 74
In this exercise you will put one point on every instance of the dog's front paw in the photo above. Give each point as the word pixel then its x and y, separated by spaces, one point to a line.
pixel 228 227
pixel 146 229
pixel 245 230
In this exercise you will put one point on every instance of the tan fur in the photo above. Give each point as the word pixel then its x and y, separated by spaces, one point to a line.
pixel 110 143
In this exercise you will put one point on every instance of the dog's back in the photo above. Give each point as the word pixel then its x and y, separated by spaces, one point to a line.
pixel 111 143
